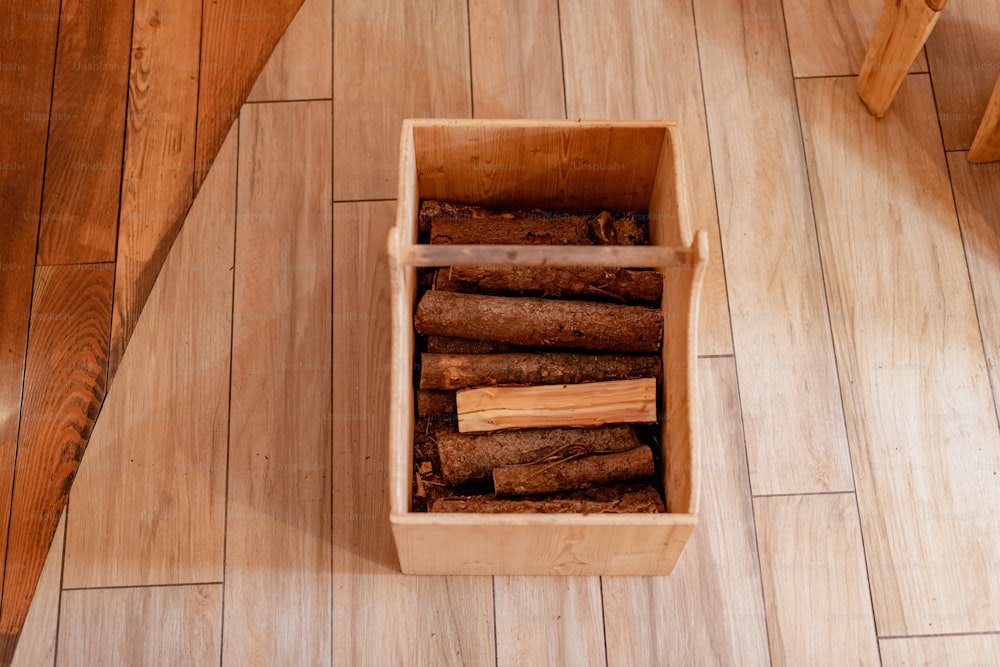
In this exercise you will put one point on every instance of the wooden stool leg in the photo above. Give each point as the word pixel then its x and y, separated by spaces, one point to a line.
pixel 902 30
pixel 986 145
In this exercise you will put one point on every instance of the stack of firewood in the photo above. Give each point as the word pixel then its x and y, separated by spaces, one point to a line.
pixel 537 389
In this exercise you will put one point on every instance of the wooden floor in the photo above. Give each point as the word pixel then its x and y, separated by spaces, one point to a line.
pixel 232 506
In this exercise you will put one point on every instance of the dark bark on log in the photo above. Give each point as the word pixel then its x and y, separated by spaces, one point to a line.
pixel 458 371
pixel 540 322
pixel 525 480
pixel 466 457
pixel 591 281
pixel 465 224
pixel 433 402
pixel 606 499
pixel 447 345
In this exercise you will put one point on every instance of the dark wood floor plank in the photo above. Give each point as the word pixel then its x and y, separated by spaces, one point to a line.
pixel 84 163
pixel 27 49
pixel 237 40
pixel 157 185
pixel 65 380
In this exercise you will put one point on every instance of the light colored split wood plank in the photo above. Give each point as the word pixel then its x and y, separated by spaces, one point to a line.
pixel 964 56
pixel 157 182
pixel 712 602
pixel 923 431
pixel 977 198
pixel 516 59
pixel 638 59
pixel 816 595
pixel 37 646
pixel 830 37
pixel 171 625
pixel 300 67
pixel 545 406
pixel 277 569
pixel 549 622
pixel 381 617
pixel 954 651
pixel 415 65
pixel 150 498
pixel 781 331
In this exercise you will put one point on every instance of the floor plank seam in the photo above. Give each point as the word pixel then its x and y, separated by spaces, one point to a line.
pixel 288 101
pixel 942 634
pixel 185 584
pixel 562 58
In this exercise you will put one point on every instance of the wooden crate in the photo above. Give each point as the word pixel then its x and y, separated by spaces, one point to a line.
pixel 616 165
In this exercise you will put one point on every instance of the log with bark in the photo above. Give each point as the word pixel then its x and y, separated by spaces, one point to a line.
pixel 465 224
pixel 458 371
pixel 436 402
pixel 449 345
pixel 587 471
pixel 467 457
pixel 590 281
pixel 540 322
pixel 545 406
pixel 619 498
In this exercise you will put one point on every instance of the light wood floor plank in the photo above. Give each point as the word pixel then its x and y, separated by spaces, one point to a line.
pixel 977 198
pixel 831 37
pixel 37 647
pixel 149 503
pixel 381 617
pixel 618 67
pixel 964 55
pixel 277 572
pixel 159 139
pixel 559 623
pixel 955 651
pixel 812 562
pixel 172 625
pixel 781 334
pixel 923 432
pixel 516 59
pixel 301 65
pixel 415 65
pixel 710 610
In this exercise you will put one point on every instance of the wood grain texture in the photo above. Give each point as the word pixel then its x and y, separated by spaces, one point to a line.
pixel 813 543
pixel 516 59
pixel 157 185
pixel 550 621
pixel 170 625
pixel 712 602
pixel 986 145
pixel 977 199
pixel 381 617
pixel 27 50
pixel 37 647
pixel 923 432
pixel 65 380
pixel 237 38
pixel 277 527
pixel 149 503
pixel 830 37
pixel 773 269
pixel 899 37
pixel 300 67
pixel 960 651
pixel 617 67
pixel 964 57
pixel 416 66
pixel 83 168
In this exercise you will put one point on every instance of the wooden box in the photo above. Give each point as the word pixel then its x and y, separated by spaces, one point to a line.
pixel 630 165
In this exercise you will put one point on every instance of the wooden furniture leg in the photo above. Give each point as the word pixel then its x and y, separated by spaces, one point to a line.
pixel 986 145
pixel 901 32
